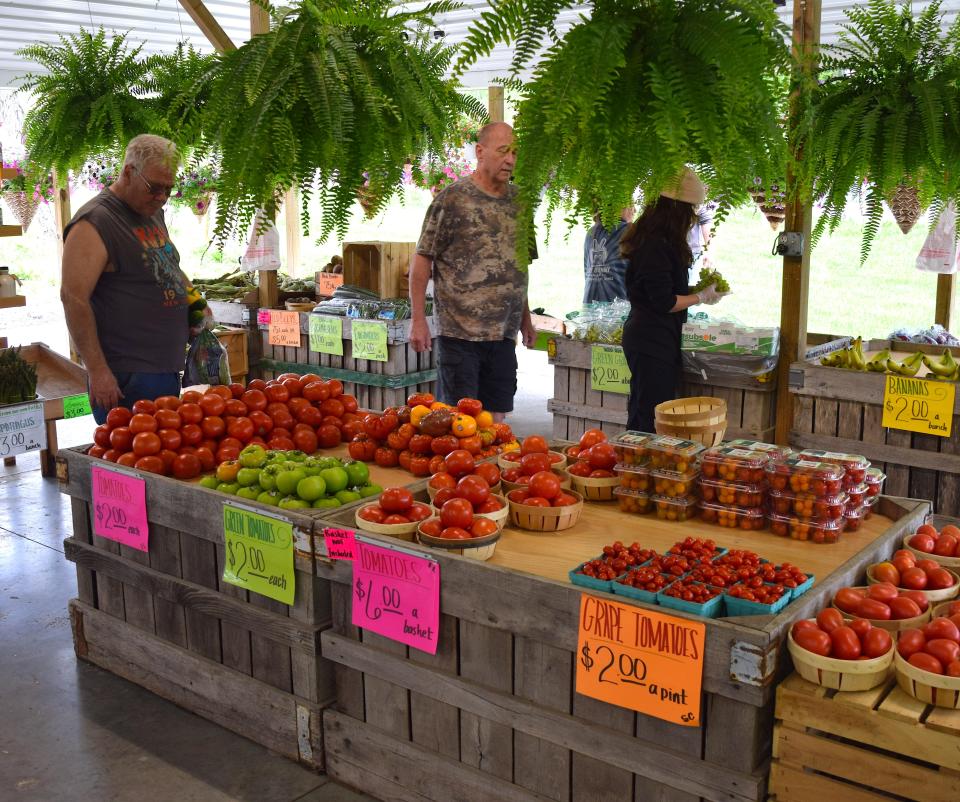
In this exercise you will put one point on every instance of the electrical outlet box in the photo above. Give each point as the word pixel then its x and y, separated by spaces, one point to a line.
pixel 789 243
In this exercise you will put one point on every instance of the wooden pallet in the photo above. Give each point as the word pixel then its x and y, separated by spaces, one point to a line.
pixel 866 746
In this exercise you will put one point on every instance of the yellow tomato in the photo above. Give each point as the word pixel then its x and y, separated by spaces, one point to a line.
pixel 440 405
pixel 227 471
pixel 484 420
pixel 418 413
pixel 464 425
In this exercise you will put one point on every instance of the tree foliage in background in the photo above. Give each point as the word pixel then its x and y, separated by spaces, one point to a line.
pixel 631 94
pixel 336 90
pixel 886 112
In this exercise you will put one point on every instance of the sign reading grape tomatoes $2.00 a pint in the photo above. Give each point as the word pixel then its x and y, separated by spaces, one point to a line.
pixel 639 659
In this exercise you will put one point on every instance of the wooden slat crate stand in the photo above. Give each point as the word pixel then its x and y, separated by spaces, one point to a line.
pixel 867 746
pixel 576 407
pixel 494 714
pixel 242 315
pixel 840 410
pixel 234 340
pixel 376 385
pixel 165 620
pixel 382 267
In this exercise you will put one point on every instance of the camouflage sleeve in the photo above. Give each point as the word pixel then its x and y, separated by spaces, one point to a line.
pixel 433 237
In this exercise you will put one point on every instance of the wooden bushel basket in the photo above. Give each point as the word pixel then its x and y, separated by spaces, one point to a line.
pixel 893 625
pixel 934 689
pixel 933 596
pixel 594 489
pixel 701 419
pixel 546 519
pixel 841 675
pixel 478 548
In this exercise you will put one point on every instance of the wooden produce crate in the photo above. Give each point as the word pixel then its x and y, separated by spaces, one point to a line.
pixel 867 746
pixel 382 267
pixel 376 385
pixel 841 410
pixel 235 343
pixel 244 316
pixel 494 714
pixel 165 619
pixel 751 407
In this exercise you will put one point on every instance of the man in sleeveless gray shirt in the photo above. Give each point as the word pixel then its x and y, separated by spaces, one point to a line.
pixel 123 293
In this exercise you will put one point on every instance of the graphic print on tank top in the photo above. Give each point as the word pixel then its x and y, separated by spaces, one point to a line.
pixel 163 261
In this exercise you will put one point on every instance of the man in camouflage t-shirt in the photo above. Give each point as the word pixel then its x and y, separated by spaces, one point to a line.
pixel 468 242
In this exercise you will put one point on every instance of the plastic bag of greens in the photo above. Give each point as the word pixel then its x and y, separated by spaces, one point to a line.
pixel 207 361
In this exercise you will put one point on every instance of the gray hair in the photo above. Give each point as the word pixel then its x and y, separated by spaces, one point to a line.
pixel 151 149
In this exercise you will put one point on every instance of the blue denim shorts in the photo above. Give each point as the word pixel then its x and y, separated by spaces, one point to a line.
pixel 137 386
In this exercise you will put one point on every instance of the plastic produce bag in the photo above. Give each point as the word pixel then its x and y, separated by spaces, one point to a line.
pixel 207 361
pixel 263 249
pixel 940 253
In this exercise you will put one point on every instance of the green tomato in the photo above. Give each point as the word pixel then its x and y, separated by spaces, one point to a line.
pixel 228 487
pixel 247 477
pixel 347 496
pixel 295 455
pixel 329 462
pixel 291 503
pixel 370 490
pixel 287 480
pixel 249 492
pixel 336 479
pixel 254 456
pixel 268 478
pixel 312 470
pixel 210 481
pixel 271 497
pixel 311 488
pixel 358 473
pixel 323 503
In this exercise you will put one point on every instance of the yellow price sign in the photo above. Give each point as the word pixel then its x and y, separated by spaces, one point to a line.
pixel 259 553
pixel 326 334
pixel 919 405
pixel 609 372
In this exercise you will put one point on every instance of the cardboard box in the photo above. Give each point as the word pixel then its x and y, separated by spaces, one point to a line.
pixel 724 337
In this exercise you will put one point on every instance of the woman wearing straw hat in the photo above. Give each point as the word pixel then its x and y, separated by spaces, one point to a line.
pixel 659 293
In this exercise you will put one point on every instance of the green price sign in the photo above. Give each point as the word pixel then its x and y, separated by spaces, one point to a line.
pixel 76 406
pixel 608 370
pixel 370 340
pixel 259 553
pixel 326 334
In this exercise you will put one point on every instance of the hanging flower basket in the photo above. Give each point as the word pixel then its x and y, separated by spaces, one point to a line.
pixel 23 206
pixel 202 204
pixel 905 205
pixel 772 202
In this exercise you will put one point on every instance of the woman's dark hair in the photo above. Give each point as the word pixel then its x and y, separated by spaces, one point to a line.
pixel 666 219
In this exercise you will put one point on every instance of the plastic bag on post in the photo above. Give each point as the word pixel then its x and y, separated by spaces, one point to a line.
pixel 747 368
pixel 263 249
pixel 940 253
pixel 207 361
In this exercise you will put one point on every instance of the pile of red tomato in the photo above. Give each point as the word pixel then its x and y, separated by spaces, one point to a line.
pixel 185 436
pixel 460 463
pixel 533 457
pixel 460 519
pixel 594 456
pixel 395 506
pixel 945 543
pixel 543 490
pixel 417 436
pixel 906 571
pixel 829 635
pixel 881 602
pixel 934 647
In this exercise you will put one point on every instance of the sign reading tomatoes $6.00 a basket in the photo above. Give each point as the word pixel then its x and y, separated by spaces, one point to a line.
pixel 639 659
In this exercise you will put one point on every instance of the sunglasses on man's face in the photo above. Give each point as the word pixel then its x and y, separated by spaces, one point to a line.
pixel 156 190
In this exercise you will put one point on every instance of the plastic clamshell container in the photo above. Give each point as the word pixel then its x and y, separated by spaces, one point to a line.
pixel 736 494
pixel 633 477
pixel 805 476
pixel 621 589
pixel 853 518
pixel 874 481
pixel 591 582
pixel 631 447
pixel 772 450
pixel 673 454
pixel 737 606
pixel 672 484
pixel 709 609
pixel 857 494
pixel 854 465
pixel 804 529
pixel 732 517
pixel 676 509
pixel 633 501
pixel 807 505
pixel 734 464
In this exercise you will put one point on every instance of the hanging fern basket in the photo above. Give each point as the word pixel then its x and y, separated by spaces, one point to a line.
pixel 22 205
pixel 905 205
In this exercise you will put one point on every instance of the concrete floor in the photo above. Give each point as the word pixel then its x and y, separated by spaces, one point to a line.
pixel 71 731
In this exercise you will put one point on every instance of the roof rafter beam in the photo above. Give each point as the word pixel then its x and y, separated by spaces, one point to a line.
pixel 208 24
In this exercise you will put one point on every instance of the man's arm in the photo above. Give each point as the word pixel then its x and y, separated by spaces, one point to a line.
pixel 420 337
pixel 527 331
pixel 84 260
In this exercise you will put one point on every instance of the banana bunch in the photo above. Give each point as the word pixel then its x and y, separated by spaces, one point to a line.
pixel 852 358
pixel 908 367
pixel 18 378
pixel 945 368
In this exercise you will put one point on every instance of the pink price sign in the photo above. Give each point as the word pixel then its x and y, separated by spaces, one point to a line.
pixel 341 544
pixel 397 594
pixel 263 317
pixel 120 508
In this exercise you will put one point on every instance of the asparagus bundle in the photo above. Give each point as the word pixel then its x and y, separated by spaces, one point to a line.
pixel 18 378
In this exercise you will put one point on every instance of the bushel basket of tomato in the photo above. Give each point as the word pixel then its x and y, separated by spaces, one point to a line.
pixel 942 546
pixel 884 605
pixel 933 580
pixel 928 662
pixel 395 513
pixel 593 475
pixel 545 506
pixel 476 540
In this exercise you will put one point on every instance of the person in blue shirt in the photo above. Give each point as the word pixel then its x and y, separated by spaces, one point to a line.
pixel 604 269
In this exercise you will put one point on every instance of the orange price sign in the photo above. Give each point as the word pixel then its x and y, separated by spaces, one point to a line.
pixel 327 283
pixel 642 660
pixel 284 328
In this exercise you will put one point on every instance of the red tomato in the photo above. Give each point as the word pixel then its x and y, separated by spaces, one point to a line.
pixel 590 438
pixel 386 457
pixel 926 662
pixel 444 445
pixel 844 643
pixel 254 399
pixel 941 628
pixel 315 391
pixel 280 443
pixel 536 501
pixel 545 484
pixel 277 393
pixel 168 419
pixel 262 422
pixel 419 512
pixel 902 563
pixel 213 427
pixel 190 413
pixel 96 451
pixel 236 390
pixel 328 436
pixel 372 513
pixel 534 444
pixel 946 546
pixel 395 518
pixel 456 512
pixel 420 444
pixel 534 463
pixel 874 610
pixel 146 443
pixel 489 471
pixel 168 458
pixel 910 641
pixel 458 463
pixel 814 640
pixel 883 591
pixel 861 626
pixel 946 651
pixel 455 533
pixel 190 397
pixel 580 469
pixel 349 403
pixel 602 456
pixel 436 464
pixel 902 608
pixel 221 390
pixel 396 499
pixel 492 504
pixel 236 408
pixel 443 495
pixel 151 464
pixel 802 624
pixel 121 439
pixel 442 479
pixel 212 405
pixel 191 435
pixel 128 458
pixel 310 416
pixel 141 422
pixel 419 465
pixel 877 642
pixel 432 527
pixel 333 407
pixel 306 440
pixel 518 496
pixel 919 597
pixel 848 599
pixel 563 500
pixel 242 429
pixel 829 619
pixel 101 435
pixel 170 438
pixel 914 579
pixel 469 406
pixel 207 461
pixel 483 527
pixel 144 407
pixel 940 579
pixel 473 489
pixel 924 543
pixel 118 416
pixel 953 670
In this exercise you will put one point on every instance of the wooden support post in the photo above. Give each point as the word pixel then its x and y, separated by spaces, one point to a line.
pixel 208 25
pixel 62 215
pixel 291 202
pixel 945 300
pixel 796 272
pixel 259 19
pixel 495 107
